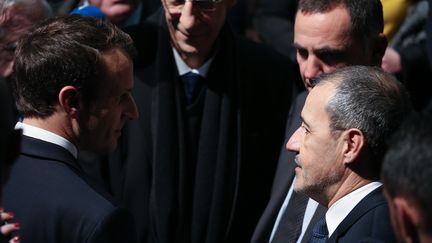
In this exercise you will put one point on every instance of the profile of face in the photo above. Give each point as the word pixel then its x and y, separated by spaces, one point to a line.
pixel 115 10
pixel 11 30
pixel 324 43
pixel 113 105
pixel 319 151
pixel 195 25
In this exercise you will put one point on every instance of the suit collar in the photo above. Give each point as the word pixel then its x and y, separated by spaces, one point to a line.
pixel 38 148
pixel 371 201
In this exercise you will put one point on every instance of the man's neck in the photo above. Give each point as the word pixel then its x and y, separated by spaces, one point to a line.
pixel 349 184
pixel 54 124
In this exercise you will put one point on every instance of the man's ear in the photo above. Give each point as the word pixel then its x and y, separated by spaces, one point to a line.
pixel 409 218
pixel 69 100
pixel 354 142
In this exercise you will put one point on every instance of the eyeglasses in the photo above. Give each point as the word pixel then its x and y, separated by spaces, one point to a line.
pixel 204 5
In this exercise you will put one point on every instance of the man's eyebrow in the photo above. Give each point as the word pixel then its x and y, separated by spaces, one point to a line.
pixel 303 121
pixel 328 50
pixel 298 46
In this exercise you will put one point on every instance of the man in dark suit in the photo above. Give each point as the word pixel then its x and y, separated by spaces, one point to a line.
pixel 197 167
pixel 340 145
pixel 407 178
pixel 73 82
pixel 327 35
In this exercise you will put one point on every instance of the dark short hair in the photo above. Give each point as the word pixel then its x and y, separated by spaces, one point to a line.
pixel 369 99
pixel 367 19
pixel 407 167
pixel 61 51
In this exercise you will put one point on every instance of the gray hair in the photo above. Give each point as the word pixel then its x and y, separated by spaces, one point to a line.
pixel 369 99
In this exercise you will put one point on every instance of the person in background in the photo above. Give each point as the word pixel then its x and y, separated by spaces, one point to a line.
pixel 406 55
pixel 124 13
pixel 213 109
pixel 73 78
pixel 407 178
pixel 327 35
pixel 16 17
pixel 346 121
pixel 10 143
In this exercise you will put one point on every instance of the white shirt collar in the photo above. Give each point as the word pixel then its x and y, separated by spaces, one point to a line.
pixel 341 208
pixel 42 134
pixel 183 68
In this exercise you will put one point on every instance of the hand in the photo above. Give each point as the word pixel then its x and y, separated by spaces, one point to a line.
pixel 7 228
pixel 391 61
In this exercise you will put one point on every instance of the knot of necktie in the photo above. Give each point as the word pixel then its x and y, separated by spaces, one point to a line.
pixel 320 232
pixel 190 83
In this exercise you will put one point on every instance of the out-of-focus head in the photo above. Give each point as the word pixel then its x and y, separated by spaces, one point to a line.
pixel 332 34
pixel 16 17
pixel 347 118
pixel 9 137
pixel 115 10
pixel 194 26
pixel 407 178
pixel 80 67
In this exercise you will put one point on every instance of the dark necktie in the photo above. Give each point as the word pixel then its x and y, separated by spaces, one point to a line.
pixel 290 225
pixel 191 81
pixel 320 232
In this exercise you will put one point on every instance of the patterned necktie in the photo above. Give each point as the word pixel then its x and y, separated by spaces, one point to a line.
pixel 191 81
pixel 320 232
pixel 289 227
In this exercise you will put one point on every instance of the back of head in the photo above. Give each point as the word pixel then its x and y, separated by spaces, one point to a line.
pixel 407 167
pixel 371 100
pixel 62 51
pixel 366 15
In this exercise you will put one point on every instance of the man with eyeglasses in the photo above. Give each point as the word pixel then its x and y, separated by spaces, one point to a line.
pixel 198 165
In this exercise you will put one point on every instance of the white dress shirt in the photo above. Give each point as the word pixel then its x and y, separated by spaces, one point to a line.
pixel 42 134
pixel 183 68
pixel 341 208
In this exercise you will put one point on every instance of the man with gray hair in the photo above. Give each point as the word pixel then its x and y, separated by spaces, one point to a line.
pixel 340 146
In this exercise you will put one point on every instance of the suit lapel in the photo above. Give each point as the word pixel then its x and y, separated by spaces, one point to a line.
pixel 371 201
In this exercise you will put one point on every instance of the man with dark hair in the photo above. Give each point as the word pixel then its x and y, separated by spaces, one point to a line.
pixel 198 167
pixel 73 82
pixel 407 178
pixel 340 146
pixel 327 35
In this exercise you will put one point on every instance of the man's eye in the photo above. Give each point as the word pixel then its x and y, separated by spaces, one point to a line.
pixel 305 130
pixel 302 53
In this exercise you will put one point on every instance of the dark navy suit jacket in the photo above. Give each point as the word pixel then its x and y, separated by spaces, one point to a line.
pixel 53 202
pixel 368 221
